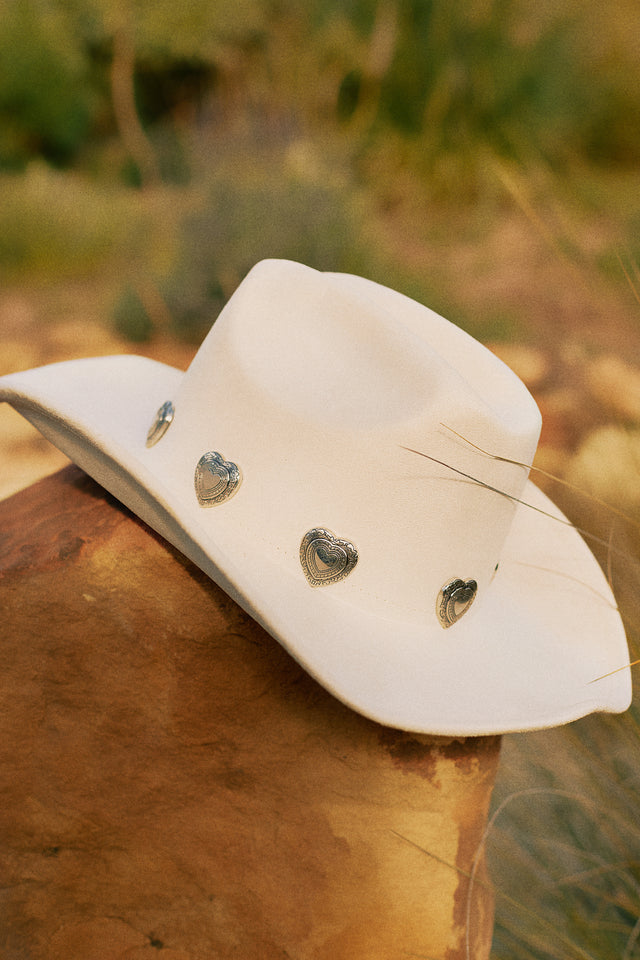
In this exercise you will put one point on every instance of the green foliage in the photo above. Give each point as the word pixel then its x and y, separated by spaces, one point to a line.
pixel 130 317
pixel 244 220
pixel 55 58
pixel 463 74
pixel 450 79
pixel 46 100
pixel 165 31
pixel 54 224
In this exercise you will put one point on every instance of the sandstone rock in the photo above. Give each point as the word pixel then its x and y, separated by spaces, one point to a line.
pixel 564 417
pixel 174 785
pixel 616 385
pixel 607 466
pixel 528 363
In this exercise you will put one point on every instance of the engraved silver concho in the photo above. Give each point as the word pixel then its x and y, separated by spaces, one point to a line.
pixel 454 600
pixel 326 558
pixel 216 479
pixel 161 423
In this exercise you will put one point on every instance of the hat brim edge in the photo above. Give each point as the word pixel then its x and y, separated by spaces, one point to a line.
pixel 279 605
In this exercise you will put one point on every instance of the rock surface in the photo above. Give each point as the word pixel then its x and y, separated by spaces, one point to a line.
pixel 174 786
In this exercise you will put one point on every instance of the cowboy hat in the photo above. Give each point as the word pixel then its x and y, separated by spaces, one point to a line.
pixel 348 466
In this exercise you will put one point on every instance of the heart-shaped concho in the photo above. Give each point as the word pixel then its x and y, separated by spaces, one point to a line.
pixel 216 479
pixel 454 600
pixel 326 558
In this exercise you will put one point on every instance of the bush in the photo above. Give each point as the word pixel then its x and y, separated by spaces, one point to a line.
pixel 47 99
pixel 59 224
pixel 243 221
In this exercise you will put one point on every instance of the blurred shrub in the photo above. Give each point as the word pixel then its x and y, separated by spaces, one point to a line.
pixel 130 317
pixel 290 207
pixel 553 80
pixel 243 220
pixel 460 76
pixel 46 97
pixel 439 87
pixel 56 57
pixel 58 224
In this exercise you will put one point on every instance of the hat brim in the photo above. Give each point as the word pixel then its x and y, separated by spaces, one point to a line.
pixel 537 650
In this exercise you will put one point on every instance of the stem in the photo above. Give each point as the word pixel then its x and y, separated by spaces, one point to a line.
pixel 126 113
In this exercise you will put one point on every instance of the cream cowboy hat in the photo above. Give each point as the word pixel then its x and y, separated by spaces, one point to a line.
pixel 430 593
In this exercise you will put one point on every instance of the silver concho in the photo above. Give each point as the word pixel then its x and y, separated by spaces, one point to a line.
pixel 454 600
pixel 161 424
pixel 326 558
pixel 216 479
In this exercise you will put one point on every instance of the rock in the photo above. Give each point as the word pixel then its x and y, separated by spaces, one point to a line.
pixel 528 363
pixel 175 785
pixel 607 466
pixel 565 417
pixel 616 385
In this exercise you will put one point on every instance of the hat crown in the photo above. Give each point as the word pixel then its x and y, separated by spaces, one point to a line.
pixel 343 350
pixel 314 385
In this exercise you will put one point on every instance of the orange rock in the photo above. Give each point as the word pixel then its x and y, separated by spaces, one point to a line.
pixel 616 385
pixel 528 363
pixel 175 786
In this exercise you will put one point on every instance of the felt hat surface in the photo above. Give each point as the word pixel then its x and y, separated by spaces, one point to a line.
pixel 322 460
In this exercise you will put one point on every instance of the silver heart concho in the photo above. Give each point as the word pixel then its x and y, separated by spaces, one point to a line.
pixel 216 479
pixel 454 600
pixel 326 558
